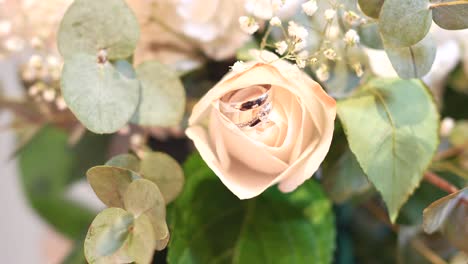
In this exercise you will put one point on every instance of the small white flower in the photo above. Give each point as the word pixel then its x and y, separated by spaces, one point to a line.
pixel 35 61
pixel 248 25
pixel 281 47
pixel 351 17
pixel 330 14
pixel 330 54
pixel 351 37
pixel 296 31
pixel 322 73
pixel 49 95
pixel 310 7
pixel 446 126
pixel 275 21
pixel 61 104
pixel 301 63
pixel 300 46
pixel 238 66
pixel 358 69
pixel 277 4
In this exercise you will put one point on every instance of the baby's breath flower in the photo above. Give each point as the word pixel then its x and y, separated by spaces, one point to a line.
pixel 238 66
pixel 300 45
pixel 275 21
pixel 322 73
pixel 296 31
pixel 446 126
pixel 313 60
pixel 351 37
pixel 35 61
pixel 248 24
pixel 49 95
pixel 281 47
pixel 358 69
pixel 330 14
pixel 60 103
pixel 277 4
pixel 350 17
pixel 330 54
pixel 301 63
pixel 310 7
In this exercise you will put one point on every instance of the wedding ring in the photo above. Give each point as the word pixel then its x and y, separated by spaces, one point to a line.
pixel 248 107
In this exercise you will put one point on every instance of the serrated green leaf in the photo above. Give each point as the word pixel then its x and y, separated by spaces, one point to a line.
pixel 449 215
pixel 100 96
pixel 162 101
pixel 402 118
pixel 125 161
pixel 345 178
pixel 414 61
pixel 144 197
pixel 89 26
pixel 370 36
pixel 404 23
pixel 214 226
pixel 110 184
pixel 166 172
pixel 371 7
pixel 450 17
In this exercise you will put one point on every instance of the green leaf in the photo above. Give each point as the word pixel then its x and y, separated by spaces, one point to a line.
pixel 402 118
pixel 449 215
pixel 100 96
pixel 213 226
pixel 141 243
pixel 47 165
pixel 89 26
pixel 404 23
pixel 144 197
pixel 98 235
pixel 162 101
pixel 125 161
pixel 451 17
pixel 371 7
pixel 414 61
pixel 345 179
pixel 112 238
pixel 459 134
pixel 370 35
pixel 166 172
pixel 110 184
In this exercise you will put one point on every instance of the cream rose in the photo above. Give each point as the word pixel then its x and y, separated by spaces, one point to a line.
pixel 287 153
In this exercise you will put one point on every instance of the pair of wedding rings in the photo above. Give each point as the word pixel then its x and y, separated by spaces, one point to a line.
pixel 248 107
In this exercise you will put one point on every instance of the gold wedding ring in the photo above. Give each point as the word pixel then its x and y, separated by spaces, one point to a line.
pixel 248 107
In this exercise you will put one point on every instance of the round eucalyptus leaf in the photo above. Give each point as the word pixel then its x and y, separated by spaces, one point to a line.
pixel 451 17
pixel 143 197
pixel 162 101
pixel 125 161
pixel 166 172
pixel 89 26
pixel 141 242
pixel 404 23
pixel 100 96
pixel 403 119
pixel 414 61
pixel 110 184
pixel 371 7
pixel 106 235
pixel 370 36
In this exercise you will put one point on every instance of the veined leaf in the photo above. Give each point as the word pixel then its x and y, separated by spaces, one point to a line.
pixel 451 17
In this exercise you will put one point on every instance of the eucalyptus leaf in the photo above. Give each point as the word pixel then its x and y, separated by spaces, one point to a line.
pixel 402 118
pixel 370 36
pixel 100 96
pixel 144 197
pixel 214 226
pixel 459 134
pixel 141 242
pixel 414 61
pixel 162 101
pixel 449 215
pixel 89 26
pixel 166 172
pixel 99 236
pixel 371 7
pixel 450 17
pixel 404 23
pixel 110 184
pixel 125 161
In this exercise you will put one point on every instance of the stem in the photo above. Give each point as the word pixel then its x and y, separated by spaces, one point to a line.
pixel 381 215
pixel 450 152
pixel 427 252
pixel 265 37
pixel 439 182
pixel 458 2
